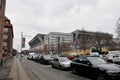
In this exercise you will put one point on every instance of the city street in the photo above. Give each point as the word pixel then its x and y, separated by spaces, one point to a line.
pixel 38 71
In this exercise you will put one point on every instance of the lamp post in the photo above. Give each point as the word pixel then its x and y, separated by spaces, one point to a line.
pixel 22 43
pixel 21 46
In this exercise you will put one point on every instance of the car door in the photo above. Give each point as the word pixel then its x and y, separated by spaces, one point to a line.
pixel 55 62
pixel 83 66
pixel 77 66
pixel 88 69
pixel 58 63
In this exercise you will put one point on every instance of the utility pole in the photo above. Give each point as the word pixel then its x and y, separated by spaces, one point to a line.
pixel 21 46
pixel 22 43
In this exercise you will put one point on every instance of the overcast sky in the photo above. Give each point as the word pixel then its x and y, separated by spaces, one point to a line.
pixel 43 16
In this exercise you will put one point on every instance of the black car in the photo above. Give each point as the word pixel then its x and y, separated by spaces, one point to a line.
pixel 96 68
pixel 45 59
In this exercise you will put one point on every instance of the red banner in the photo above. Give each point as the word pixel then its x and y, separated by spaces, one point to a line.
pixel 23 42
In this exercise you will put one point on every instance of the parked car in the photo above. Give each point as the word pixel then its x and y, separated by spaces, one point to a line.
pixel 61 62
pixel 115 59
pixel 71 56
pixel 104 57
pixel 45 59
pixel 68 56
pixel 30 56
pixel 37 59
pixel 35 56
pixel 95 67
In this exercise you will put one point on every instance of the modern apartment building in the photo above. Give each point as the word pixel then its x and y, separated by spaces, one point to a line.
pixel 2 13
pixel 49 42
pixel 76 42
pixel 36 42
pixel 56 39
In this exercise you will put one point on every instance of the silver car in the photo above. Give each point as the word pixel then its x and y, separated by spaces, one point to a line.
pixel 61 62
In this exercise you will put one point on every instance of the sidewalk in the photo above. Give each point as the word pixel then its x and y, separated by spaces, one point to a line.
pixel 13 70
pixel 17 71
pixel 5 70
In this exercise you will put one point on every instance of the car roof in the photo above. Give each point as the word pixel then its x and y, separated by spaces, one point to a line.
pixel 85 57
pixel 81 57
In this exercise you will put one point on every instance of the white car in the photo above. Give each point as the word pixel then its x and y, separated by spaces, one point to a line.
pixel 30 55
pixel 61 62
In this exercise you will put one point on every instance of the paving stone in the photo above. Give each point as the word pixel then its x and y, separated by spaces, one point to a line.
pixel 5 70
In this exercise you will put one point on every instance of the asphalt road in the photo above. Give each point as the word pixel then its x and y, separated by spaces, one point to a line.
pixel 37 71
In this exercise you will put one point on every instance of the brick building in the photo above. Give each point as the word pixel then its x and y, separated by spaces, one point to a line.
pixel 7 38
pixel 84 40
pixel 2 13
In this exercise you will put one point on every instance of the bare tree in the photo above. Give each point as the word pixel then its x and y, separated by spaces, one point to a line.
pixel 52 47
pixel 45 48
pixel 99 38
pixel 64 47
pixel 82 43
pixel 40 50
pixel 107 42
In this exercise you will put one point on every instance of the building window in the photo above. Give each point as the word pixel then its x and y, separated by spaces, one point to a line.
pixel 6 21
pixel 5 36
pixel 4 43
pixel 5 29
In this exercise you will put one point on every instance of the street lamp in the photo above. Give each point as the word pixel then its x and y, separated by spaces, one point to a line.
pixel 22 43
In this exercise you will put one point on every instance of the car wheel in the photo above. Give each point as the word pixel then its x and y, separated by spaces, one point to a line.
pixel 53 66
pixel 101 77
pixel 60 67
pixel 74 71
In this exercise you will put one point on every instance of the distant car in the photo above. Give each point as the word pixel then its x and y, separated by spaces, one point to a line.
pixel 104 57
pixel 68 56
pixel 37 59
pixel 45 59
pixel 94 54
pixel 34 58
pixel 115 59
pixel 30 56
pixel 61 62
pixel 96 67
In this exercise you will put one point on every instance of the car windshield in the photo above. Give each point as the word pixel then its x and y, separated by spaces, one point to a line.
pixel 96 61
pixel 47 57
pixel 63 59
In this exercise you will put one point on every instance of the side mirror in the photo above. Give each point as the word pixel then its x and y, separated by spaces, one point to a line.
pixel 88 63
